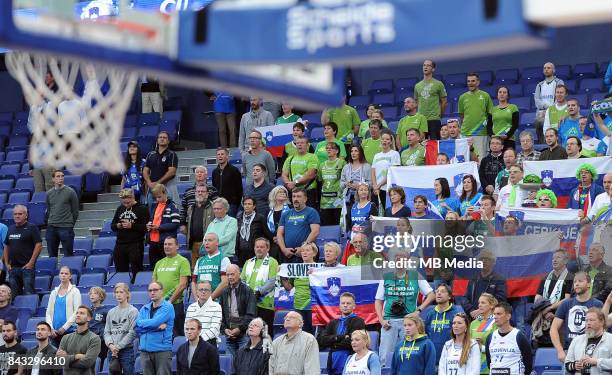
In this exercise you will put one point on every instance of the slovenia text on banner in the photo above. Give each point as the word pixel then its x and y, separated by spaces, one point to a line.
pixel 420 180
pixel 560 175
pixel 276 137
pixel 326 286
pixel 522 260
pixel 457 150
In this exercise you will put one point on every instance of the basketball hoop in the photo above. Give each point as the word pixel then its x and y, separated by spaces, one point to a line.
pixel 74 127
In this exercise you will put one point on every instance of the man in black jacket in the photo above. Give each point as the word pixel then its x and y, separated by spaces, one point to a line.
pixel 239 307
pixel 488 281
pixel 602 281
pixel 46 350
pixel 491 165
pixel 227 179
pixel 251 225
pixel 337 335
pixel 196 356
pixel 130 223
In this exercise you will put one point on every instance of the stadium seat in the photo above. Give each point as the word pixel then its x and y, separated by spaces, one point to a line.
pixel 83 246
pixel 381 86
pixel 46 266
pixel 131 121
pixel 75 182
pixel 383 100
pixel 172 115
pixel 527 120
pixel 572 86
pixel 279 321
pixel 506 76
pixel 177 342
pixel 454 93
pixel 7 217
pixel 225 362
pixel 529 88
pixel 24 184
pixel 139 297
pixel 26 302
pixel 2 154
pixel 222 344
pixel 95 182
pixel 491 90
pixel 10 171
pixel 18 142
pixel 516 90
pixel 563 72
pixel 455 80
pixel 149 119
pixel 113 279
pixel 390 112
pixel 586 86
pixel 393 126
pixel 6 185
pixel 91 279
pixel 373 340
pixel 106 230
pixel 6 116
pixel 42 283
pixel 104 245
pixel 407 83
pixel 149 131
pixel 356 101
pixel 18 155
pixel 36 212
pixel 29 344
pixel 3 198
pixel 129 133
pixel 546 359
pixel 588 70
pixel 143 278
pixel 30 328
pixel 532 74
pixel 523 103
pixel 18 198
pixel 486 77
pixel 44 301
pixel 316 135
pixel 172 127
pixel 98 263
pixel 315 118
pixel 75 263
pixel 323 361
pixel 330 232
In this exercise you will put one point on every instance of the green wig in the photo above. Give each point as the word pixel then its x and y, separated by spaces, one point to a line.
pixel 591 169
pixel 550 194
pixel 532 179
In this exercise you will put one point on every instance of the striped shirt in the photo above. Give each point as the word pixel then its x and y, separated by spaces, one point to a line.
pixel 209 315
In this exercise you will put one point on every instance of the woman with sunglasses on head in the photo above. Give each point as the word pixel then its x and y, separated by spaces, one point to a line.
pixel 461 354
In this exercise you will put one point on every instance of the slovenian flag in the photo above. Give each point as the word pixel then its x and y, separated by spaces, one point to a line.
pixel 524 261
pixel 276 137
pixel 326 286
pixel 560 175
pixel 458 150
pixel 419 180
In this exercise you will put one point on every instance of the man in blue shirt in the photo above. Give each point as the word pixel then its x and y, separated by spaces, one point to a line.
pixel 297 226
pixel 570 125
pixel 225 115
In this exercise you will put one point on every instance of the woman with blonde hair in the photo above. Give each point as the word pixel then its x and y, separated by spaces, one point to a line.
pixel 460 354
pixel 302 297
pixel 483 325
pixel 363 361
pixel 279 203
pixel 416 355
pixel 331 251
pixel 119 334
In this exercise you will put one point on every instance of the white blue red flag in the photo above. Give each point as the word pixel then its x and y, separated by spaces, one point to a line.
pixel 276 137
pixel 457 150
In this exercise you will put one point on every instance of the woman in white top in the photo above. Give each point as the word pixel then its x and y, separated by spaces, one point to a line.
pixel 364 361
pixel 461 354
pixel 381 164
pixel 63 304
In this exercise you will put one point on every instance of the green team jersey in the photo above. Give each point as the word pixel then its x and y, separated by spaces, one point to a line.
pixel 475 106
pixel 251 280
pixel 481 329
pixel 371 147
pixel 416 121
pixel 298 165
pixel 329 175
pixel 290 149
pixel 405 289
pixel 364 127
pixel 209 269
pixel 287 120
pixel 555 114
pixel 502 119
pixel 413 156
pixel 345 117
pixel 428 94
pixel 321 152
pixel 168 271
pixel 367 260
pixel 301 298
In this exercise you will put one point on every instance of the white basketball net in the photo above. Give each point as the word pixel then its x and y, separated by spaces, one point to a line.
pixel 79 131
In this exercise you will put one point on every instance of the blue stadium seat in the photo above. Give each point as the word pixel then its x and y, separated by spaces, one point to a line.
pixel 42 283
pixel 42 307
pixel 177 342
pixel 139 297
pixel 2 154
pixel 527 120
pixel 104 245
pixel 402 93
pixel 523 103
pixel 407 83
pixel 143 278
pixel 75 263
pixel 46 266
pixel 83 245
pixel 588 85
pixel 546 359
pixel 552 372
pixel 172 115
pixel 6 116
pixel 85 298
pixel 572 86
pixel 24 184
pixel 316 135
pixel 279 321
pixel 113 279
pixel 7 217
pixel 75 182
pixel 3 198
pixel 29 344
pixel 106 230
pixel 529 88
pixel 491 90
pixel 381 86
pixel 383 100
pixel 222 344
pixel 36 212
pixel 389 112
pixel 454 93
pixel 315 118
pixel 455 80
pixel 563 71
pixel 5 129
pixel 20 128
pixel 6 185
pixel 19 198
pixel 532 74
pixel 149 119
pixel 182 188
pixel 172 127
pixel 98 263
pixel 225 362
pixel 30 329
pixel 26 302
pixel 56 281
pixel 330 232
pixel 323 362
pixel 486 77
pixel 91 279
pixel 393 126
pixel 18 155
pixel 374 341
pixel 507 76
pixel 148 131
pixel 10 171
pixel 18 142
pixel 356 101
pixel 95 182
pixel 516 90
pixel 588 70
pixel 129 133
pixel 22 115
pixel 131 121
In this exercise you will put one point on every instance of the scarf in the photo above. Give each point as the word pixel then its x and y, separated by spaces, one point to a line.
pixel 555 294
pixel 270 218
pixel 583 197
pixel 157 219
pixel 262 272
pixel 245 228
pixel 339 357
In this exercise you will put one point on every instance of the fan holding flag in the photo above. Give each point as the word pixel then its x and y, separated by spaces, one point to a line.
pixel 584 194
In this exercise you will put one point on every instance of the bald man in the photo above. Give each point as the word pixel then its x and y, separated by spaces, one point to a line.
pixel 544 95
pixel 295 352
pixel 239 307
pixel 200 174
